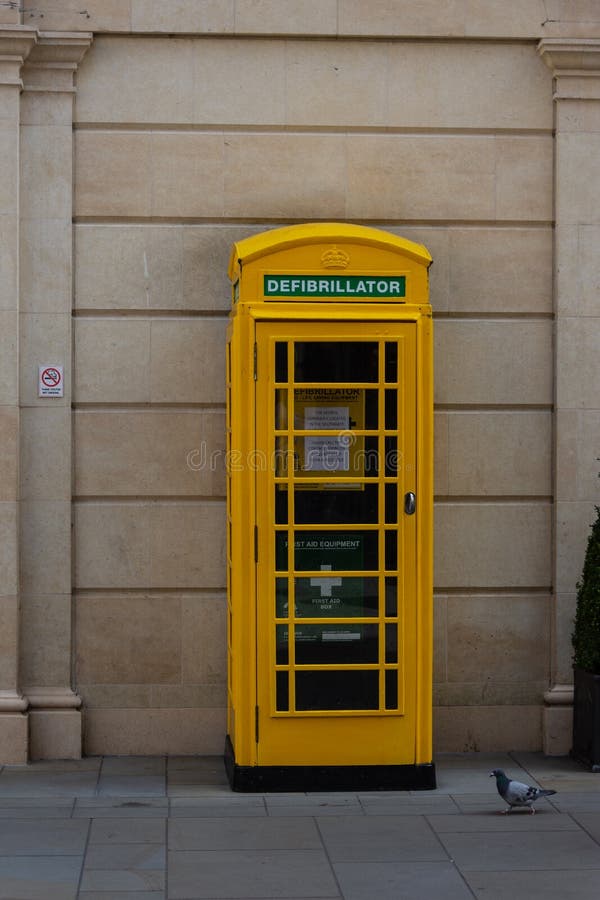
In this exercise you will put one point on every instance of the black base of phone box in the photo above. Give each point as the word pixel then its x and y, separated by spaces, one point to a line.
pixel 263 779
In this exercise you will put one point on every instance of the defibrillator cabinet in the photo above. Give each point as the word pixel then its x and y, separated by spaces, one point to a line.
pixel 329 511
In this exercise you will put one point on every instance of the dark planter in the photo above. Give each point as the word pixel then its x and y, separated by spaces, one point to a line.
pixel 586 719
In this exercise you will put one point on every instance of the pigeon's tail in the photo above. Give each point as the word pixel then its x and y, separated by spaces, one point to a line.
pixel 546 793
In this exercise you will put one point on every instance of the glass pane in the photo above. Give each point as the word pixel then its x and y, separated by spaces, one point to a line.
pixel 324 455
pixel 327 596
pixel 282 683
pixel 391 643
pixel 337 690
pixel 284 461
pixel 281 598
pixel 351 505
pixel 391 550
pixel 391 689
pixel 331 550
pixel 371 457
pixel 281 504
pixel 391 409
pixel 391 361
pixel 340 410
pixel 329 409
pixel 371 410
pixel 391 597
pixel 336 644
pixel 391 504
pixel 281 416
pixel 327 361
pixel 281 361
pixel 391 456
pixel 281 550
pixel 281 638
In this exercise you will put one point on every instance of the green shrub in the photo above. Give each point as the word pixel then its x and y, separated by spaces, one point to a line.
pixel 586 635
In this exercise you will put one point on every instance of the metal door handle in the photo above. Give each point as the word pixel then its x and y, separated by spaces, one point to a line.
pixel 410 503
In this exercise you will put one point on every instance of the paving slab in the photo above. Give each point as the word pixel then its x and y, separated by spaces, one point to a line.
pixel 408 806
pixel 566 885
pixel 492 803
pixel 575 801
pixel 39 877
pixel 476 822
pixel 313 805
pixel 560 773
pixel 199 777
pixel 489 851
pixel 401 881
pixel 210 763
pixel 110 881
pixel 48 837
pixel 126 801
pixel 37 802
pixel 560 783
pixel 187 788
pixel 203 770
pixel 134 765
pixel 380 839
pixel 294 811
pixel 474 760
pixel 198 875
pixel 216 811
pixel 475 780
pixel 58 766
pixel 132 786
pixel 227 800
pixel 36 811
pixel 121 895
pixel 590 822
pixel 100 807
pixel 126 856
pixel 14 783
pixel 317 798
pixel 236 834
pixel 128 831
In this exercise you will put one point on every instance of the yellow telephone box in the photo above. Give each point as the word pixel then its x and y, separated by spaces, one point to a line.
pixel 329 511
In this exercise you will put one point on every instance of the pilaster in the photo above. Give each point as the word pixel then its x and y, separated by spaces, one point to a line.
pixel 45 340
pixel 576 68
pixel 16 44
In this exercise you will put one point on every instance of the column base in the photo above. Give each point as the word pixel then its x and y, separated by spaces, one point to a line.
pixel 14 734
pixel 55 723
pixel 557 721
pixel 55 734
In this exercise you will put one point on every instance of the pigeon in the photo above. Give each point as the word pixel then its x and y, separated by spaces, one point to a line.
pixel 515 793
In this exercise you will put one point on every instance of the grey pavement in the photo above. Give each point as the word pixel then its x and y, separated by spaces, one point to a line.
pixel 169 827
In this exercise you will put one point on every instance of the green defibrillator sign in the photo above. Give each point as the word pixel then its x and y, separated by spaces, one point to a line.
pixel 358 287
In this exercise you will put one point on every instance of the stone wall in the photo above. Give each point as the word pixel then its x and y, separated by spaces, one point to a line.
pixel 181 146
pixel 193 126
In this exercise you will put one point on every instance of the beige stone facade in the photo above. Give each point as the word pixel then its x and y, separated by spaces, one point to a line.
pixel 139 139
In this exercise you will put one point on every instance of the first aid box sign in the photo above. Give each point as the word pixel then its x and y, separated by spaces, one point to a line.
pixel 50 381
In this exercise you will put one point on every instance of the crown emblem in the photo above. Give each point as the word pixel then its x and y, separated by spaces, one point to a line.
pixel 334 259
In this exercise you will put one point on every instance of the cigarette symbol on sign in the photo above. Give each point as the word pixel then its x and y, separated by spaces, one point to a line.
pixel 51 377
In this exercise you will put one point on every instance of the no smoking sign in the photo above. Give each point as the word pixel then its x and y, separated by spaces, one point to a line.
pixel 50 381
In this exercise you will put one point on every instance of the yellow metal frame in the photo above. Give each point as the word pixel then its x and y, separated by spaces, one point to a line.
pixel 350 253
